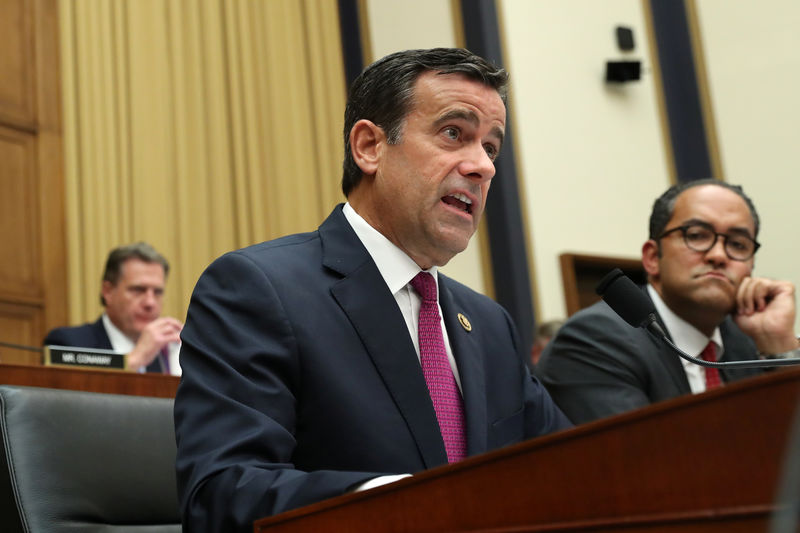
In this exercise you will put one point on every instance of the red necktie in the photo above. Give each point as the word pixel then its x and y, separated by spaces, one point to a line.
pixel 712 374
pixel 447 401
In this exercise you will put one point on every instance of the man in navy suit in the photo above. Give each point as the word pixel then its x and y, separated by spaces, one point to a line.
pixel 301 361
pixel 699 261
pixel 132 294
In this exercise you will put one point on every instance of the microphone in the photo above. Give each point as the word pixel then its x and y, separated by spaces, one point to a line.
pixel 627 300
pixel 22 347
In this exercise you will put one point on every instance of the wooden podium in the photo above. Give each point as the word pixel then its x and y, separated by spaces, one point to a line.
pixel 710 463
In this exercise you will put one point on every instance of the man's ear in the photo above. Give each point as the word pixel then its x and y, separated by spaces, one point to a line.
pixel 106 289
pixel 650 259
pixel 366 142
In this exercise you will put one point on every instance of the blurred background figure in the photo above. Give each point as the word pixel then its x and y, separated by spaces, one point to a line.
pixel 132 294
pixel 544 332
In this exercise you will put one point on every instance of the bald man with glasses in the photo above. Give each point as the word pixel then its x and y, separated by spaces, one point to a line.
pixel 699 260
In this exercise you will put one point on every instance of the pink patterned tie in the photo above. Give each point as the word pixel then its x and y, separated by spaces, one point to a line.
pixel 447 401
pixel 713 379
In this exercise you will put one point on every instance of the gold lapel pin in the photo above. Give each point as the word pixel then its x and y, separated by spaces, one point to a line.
pixel 464 322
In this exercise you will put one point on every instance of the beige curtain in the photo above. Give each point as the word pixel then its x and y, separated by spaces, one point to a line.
pixel 199 126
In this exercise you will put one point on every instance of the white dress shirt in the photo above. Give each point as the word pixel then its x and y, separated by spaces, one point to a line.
pixel 397 270
pixel 121 343
pixel 687 338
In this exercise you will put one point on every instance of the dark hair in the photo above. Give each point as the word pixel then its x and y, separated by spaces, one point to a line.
pixel 117 257
pixel 384 91
pixel 664 205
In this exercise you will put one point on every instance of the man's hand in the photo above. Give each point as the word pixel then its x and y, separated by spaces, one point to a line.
pixel 765 310
pixel 154 337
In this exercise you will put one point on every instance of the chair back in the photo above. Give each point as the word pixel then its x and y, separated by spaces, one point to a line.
pixel 85 461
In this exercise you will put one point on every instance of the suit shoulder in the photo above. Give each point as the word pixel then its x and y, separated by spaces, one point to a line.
pixel 277 245
pixel 598 315
pixel 70 335
pixel 600 327
pixel 271 252
pixel 596 339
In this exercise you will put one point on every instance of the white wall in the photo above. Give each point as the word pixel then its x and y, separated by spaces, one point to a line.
pixel 395 26
pixel 592 156
pixel 752 56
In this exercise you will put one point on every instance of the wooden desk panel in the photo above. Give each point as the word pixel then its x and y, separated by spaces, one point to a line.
pixel 704 463
pixel 114 382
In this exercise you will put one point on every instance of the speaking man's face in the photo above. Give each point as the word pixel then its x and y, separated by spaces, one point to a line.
pixel 429 190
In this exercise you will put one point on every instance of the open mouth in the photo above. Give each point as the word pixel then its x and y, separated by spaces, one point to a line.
pixel 459 201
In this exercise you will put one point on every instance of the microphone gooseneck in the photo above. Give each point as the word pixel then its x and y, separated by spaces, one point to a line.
pixel 22 347
pixel 628 301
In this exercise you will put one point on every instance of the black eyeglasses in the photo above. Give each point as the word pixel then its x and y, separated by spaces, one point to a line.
pixel 702 238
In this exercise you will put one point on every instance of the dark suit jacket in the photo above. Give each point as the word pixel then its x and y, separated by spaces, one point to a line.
pixel 598 365
pixel 89 335
pixel 300 380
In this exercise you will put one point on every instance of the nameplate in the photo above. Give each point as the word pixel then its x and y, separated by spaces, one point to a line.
pixel 83 358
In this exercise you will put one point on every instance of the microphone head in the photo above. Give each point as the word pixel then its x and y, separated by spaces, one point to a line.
pixel 626 299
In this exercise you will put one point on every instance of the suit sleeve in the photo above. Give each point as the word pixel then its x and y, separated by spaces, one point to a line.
pixel 593 368
pixel 542 415
pixel 235 407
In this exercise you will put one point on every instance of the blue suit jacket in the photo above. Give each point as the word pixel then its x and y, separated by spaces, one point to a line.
pixel 89 335
pixel 598 365
pixel 300 380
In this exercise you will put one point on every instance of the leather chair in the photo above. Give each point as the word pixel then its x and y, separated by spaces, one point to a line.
pixel 82 461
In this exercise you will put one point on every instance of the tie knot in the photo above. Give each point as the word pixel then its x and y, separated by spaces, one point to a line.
pixel 709 353
pixel 425 285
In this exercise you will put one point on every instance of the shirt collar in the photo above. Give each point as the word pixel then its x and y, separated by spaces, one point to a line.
pixel 120 342
pixel 685 336
pixel 395 266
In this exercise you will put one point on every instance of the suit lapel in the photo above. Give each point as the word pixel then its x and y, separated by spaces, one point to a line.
pixel 101 336
pixel 738 347
pixel 365 299
pixel 467 353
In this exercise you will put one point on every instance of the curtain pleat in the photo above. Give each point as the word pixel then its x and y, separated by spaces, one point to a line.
pixel 199 126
